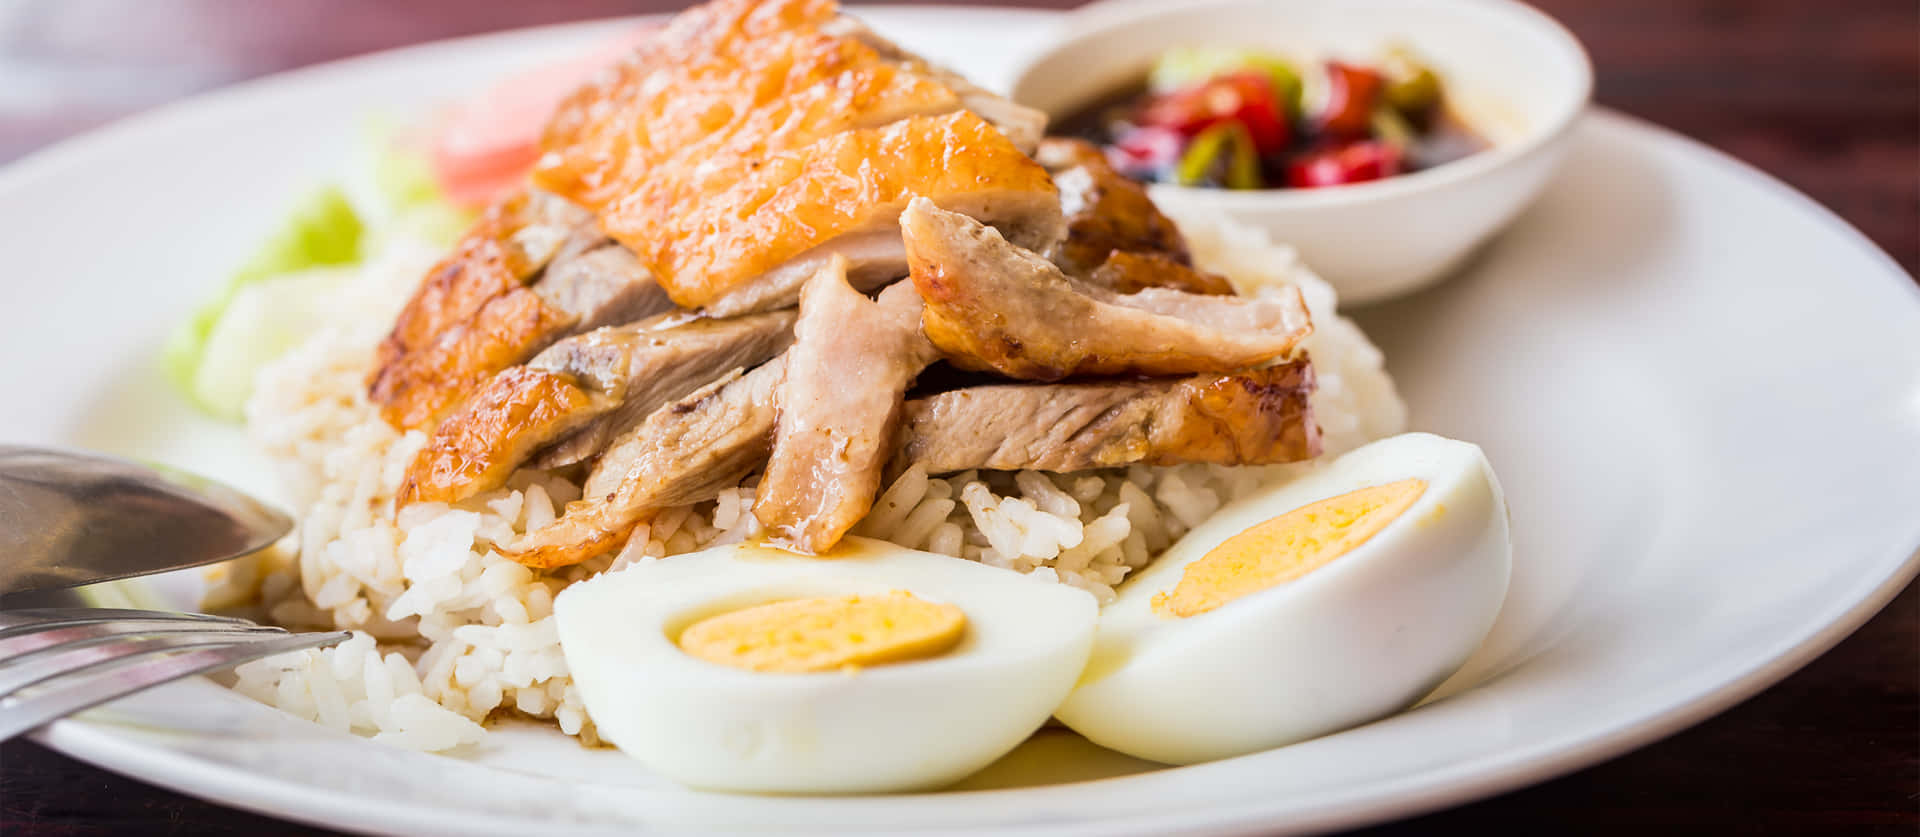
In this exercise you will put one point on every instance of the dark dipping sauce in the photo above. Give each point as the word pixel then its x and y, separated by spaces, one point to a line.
pixel 1244 129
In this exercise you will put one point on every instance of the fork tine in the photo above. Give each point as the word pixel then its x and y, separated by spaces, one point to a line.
pixel 15 621
pixel 72 694
pixel 59 638
pixel 17 674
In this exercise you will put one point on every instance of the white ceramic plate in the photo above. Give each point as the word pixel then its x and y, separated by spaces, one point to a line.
pixel 1701 390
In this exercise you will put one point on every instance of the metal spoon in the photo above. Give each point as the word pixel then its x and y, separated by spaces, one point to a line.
pixel 68 519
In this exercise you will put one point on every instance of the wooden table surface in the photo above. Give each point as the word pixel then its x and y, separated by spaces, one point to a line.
pixel 1824 95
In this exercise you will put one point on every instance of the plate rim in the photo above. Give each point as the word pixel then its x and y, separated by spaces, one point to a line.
pixel 1498 772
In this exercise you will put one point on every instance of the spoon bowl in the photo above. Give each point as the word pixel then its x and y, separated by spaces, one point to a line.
pixel 69 518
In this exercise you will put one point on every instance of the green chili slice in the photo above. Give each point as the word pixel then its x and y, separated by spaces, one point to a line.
pixel 1228 141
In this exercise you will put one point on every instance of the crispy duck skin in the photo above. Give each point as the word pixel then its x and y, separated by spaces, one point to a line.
pixel 1259 417
pixel 1108 213
pixel 473 314
pixel 1024 126
pixel 752 135
pixel 478 449
pixel 725 251
pixel 682 453
pixel 531 271
pixel 991 305
pixel 852 361
pixel 1116 237
pixel 582 391
pixel 1127 272
pixel 737 80
pixel 733 76
pixel 424 385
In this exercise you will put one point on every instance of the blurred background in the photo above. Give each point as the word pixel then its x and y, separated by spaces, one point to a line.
pixel 1823 94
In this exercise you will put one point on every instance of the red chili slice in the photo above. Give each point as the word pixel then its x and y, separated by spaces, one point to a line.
pixel 1352 94
pixel 1354 163
pixel 1246 97
pixel 1145 151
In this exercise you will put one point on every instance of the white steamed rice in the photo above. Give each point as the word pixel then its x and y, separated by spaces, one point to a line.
pixel 451 633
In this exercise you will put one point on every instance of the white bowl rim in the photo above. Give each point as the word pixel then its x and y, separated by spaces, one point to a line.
pixel 1093 21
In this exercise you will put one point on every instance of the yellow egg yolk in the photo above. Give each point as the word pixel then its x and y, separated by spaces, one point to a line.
pixel 1287 547
pixel 827 634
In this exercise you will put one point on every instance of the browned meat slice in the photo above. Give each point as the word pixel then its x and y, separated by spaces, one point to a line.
pixel 682 453
pixel 852 361
pixel 532 271
pixel 602 286
pixel 1116 237
pixel 582 391
pixel 1259 417
pixel 1128 272
pixel 992 305
pixel 642 369
pixel 1106 212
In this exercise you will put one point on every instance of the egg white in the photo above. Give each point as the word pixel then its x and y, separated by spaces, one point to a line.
pixel 1362 637
pixel 918 724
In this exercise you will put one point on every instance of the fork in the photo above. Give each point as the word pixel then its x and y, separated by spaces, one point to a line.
pixel 57 661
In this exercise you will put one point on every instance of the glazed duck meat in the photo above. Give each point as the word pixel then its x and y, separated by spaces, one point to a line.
pixel 1129 272
pixel 645 365
pixel 821 418
pixel 602 284
pixel 525 275
pixel 751 142
pixel 1259 417
pixel 992 305
pixel 851 363
pixel 1108 213
pixel 685 452
pixel 689 451
pixel 574 397
pixel 743 246
pixel 729 158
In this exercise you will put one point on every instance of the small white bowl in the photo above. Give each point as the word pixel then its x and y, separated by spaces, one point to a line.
pixel 1513 74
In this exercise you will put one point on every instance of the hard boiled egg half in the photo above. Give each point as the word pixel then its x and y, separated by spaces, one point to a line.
pixel 1327 601
pixel 875 668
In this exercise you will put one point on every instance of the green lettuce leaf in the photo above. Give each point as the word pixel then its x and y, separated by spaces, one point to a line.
pixel 323 230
